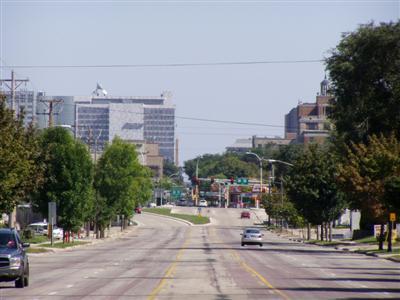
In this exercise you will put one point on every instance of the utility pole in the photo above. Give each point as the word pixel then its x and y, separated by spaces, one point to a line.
pixel 12 84
pixel 51 105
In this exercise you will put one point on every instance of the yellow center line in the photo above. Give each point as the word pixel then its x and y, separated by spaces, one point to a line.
pixel 253 272
pixel 170 271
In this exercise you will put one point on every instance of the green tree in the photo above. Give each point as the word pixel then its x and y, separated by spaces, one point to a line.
pixel 169 168
pixel 364 71
pixel 368 176
pixel 392 194
pixel 225 166
pixel 68 178
pixel 20 174
pixel 118 178
pixel 312 186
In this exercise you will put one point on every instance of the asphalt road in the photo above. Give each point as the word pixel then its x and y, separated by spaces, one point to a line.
pixel 165 259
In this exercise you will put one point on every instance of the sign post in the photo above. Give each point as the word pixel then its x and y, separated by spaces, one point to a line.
pixel 52 219
pixel 392 219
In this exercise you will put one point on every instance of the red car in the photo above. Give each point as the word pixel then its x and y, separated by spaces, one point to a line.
pixel 138 210
pixel 245 214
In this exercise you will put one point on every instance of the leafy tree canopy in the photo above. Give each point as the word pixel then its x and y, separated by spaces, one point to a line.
pixel 312 187
pixel 20 174
pixel 369 169
pixel 364 70
pixel 120 178
pixel 68 177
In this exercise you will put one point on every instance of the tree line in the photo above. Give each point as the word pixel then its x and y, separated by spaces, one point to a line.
pixel 42 166
pixel 358 167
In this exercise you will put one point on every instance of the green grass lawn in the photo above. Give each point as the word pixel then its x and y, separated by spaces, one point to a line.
pixel 323 243
pixel 62 245
pixel 367 240
pixel 36 250
pixel 37 239
pixel 167 212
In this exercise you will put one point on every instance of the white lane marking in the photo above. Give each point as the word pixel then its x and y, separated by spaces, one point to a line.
pixel 52 293
pixel 332 274
pixel 69 286
pixel 86 277
pixel 363 286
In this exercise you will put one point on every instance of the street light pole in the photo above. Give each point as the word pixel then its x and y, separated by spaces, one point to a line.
pixel 261 167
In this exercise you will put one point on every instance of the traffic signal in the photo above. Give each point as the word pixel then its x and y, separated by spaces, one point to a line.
pixel 232 180
pixel 195 180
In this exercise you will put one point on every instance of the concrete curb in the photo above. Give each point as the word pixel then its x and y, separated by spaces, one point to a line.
pixel 90 242
pixel 178 220
pixel 343 248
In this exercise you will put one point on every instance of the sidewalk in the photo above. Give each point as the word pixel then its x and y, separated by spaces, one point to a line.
pixel 345 245
pixel 113 233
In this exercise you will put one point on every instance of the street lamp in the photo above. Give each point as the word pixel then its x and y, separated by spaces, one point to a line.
pixel 260 161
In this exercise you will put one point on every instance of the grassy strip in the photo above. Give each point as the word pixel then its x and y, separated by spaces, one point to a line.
pixel 367 240
pixel 37 239
pixel 62 245
pixel 394 251
pixel 167 212
pixel 37 250
pixel 323 243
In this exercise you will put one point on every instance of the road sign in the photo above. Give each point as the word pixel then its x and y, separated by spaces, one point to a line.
pixel 242 181
pixel 176 192
pixel 392 217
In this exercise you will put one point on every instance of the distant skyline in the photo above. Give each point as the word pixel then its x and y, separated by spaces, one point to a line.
pixel 87 33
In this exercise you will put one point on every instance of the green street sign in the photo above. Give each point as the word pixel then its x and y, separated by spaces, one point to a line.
pixel 176 192
pixel 242 181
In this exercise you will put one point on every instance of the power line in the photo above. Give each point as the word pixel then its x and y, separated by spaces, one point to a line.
pixel 194 118
pixel 168 65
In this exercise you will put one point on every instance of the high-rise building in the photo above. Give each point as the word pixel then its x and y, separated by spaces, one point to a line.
pixel 98 118
pixel 25 102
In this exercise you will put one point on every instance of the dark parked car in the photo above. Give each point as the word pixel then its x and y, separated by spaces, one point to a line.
pixel 138 210
pixel 14 265
pixel 245 214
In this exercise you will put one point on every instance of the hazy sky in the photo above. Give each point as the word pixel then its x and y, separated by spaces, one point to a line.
pixel 168 32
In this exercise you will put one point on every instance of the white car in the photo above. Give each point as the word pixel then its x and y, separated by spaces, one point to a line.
pixel 252 236
pixel 203 203
pixel 42 228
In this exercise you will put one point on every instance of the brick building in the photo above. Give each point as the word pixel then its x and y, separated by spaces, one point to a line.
pixel 308 122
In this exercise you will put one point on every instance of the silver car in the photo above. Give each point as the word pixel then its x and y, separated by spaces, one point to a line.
pixel 252 236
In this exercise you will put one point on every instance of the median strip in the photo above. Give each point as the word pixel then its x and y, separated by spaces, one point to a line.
pixel 197 220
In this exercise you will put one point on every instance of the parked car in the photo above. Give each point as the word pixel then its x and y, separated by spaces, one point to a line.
pixel 57 232
pixel 138 210
pixel 252 236
pixel 203 203
pixel 151 204
pixel 39 227
pixel 181 202
pixel 14 264
pixel 43 229
pixel 245 214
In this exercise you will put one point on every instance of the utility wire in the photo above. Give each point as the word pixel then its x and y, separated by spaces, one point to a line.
pixel 190 118
pixel 171 65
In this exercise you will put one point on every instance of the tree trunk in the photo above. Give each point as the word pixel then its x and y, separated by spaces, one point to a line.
pixel 326 230
pixel 308 231
pixel 330 231
pixel 317 232
pixel 88 229
pixel 382 236
pixel 322 231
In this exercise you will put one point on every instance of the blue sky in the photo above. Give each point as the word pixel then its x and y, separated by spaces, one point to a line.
pixel 166 32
